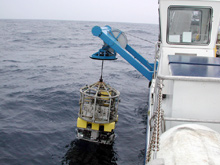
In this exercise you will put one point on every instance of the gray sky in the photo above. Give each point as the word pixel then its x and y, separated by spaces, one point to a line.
pixel 136 11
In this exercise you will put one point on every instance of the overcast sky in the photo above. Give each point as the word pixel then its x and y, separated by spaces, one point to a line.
pixel 136 11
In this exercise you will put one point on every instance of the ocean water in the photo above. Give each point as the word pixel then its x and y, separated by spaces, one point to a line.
pixel 43 64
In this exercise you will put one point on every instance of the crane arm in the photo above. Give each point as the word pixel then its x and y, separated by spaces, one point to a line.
pixel 127 52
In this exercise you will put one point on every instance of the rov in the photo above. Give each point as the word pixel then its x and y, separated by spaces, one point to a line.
pixel 98 113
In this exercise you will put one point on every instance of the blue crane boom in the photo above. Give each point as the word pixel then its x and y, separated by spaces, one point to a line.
pixel 128 53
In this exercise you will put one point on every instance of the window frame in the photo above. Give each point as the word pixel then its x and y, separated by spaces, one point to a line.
pixel 192 8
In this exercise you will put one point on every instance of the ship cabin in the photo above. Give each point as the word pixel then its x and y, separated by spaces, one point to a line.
pixel 188 69
pixel 184 116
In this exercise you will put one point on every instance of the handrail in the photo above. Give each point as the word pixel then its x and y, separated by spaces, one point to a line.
pixel 187 78
pixel 191 120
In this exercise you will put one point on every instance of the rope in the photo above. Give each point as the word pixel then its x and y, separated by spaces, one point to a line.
pixel 157 118
pixel 140 38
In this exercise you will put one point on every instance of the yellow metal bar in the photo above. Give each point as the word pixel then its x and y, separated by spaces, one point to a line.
pixel 95 126
pixel 81 123
pixel 109 127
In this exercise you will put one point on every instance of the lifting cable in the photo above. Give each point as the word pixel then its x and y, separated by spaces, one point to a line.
pixel 140 38
pixel 101 80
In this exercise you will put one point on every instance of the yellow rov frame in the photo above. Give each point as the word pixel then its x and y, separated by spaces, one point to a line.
pixel 108 127
pixel 98 113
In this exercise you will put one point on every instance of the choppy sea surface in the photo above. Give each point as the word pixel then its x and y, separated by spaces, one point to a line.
pixel 43 64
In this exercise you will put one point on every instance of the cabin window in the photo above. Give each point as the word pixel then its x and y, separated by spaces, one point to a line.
pixel 189 25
